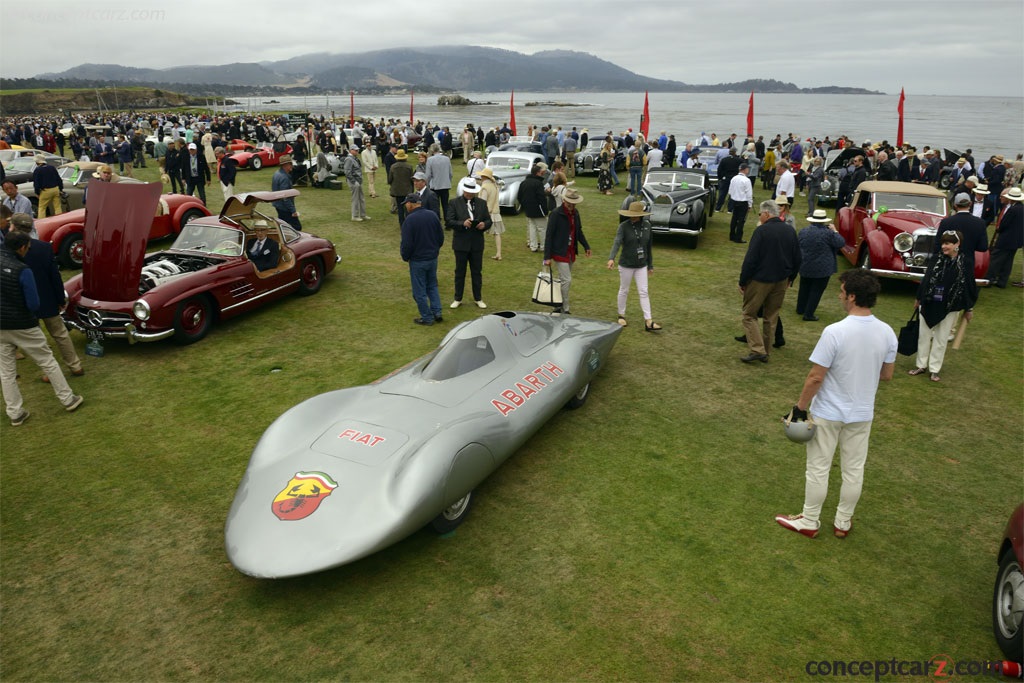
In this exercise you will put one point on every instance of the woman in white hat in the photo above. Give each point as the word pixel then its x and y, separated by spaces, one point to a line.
pixel 636 261
pixel 489 193
pixel 819 243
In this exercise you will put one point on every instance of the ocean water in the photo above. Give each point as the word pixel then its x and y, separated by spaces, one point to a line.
pixel 988 125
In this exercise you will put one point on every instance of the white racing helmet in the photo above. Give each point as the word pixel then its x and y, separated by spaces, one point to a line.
pixel 799 431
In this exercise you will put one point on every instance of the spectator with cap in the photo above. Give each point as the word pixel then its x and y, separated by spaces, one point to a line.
pixel 195 172
pixel 636 262
pixel 282 180
pixel 428 200
pixel 47 183
pixel 50 288
pixel 974 236
pixel 19 328
pixel 422 238
pixel 468 219
pixel 400 181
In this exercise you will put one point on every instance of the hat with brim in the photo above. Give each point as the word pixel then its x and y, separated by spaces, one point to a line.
pixel 782 200
pixel 400 155
pixel 40 160
pixel 419 175
pixel 412 198
pixel 486 173
pixel 819 216
pixel 286 159
pixel 572 197
pixel 635 210
pixel 981 189
pixel 100 170
pixel 469 185
pixel 962 199
pixel 1014 194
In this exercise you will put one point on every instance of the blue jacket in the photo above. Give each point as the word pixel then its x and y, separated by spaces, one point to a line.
pixel 422 235
pixel 818 247
pixel 282 181
pixel 49 286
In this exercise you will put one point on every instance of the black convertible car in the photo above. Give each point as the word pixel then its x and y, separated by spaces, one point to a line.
pixel 680 201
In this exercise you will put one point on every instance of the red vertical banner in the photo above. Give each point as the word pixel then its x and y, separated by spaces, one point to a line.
pixel 899 130
pixel 351 108
pixel 512 113
pixel 412 119
pixel 750 116
pixel 645 118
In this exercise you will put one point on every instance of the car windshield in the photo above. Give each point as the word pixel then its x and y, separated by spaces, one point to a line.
pixel 20 164
pixel 892 201
pixel 458 357
pixel 210 239
pixel 75 175
pixel 670 181
pixel 496 161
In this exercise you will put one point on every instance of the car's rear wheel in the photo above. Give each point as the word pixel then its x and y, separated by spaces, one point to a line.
pixel 453 515
pixel 579 398
pixel 255 163
pixel 1008 607
pixel 945 181
pixel 188 217
pixel 72 251
pixel 192 320
pixel 311 276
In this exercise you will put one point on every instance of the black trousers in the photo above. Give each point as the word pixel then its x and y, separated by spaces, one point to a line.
pixel 193 184
pixel 442 198
pixel 475 259
pixel 739 216
pixel 809 294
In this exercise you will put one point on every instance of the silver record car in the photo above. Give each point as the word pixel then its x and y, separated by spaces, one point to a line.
pixel 510 168
pixel 350 472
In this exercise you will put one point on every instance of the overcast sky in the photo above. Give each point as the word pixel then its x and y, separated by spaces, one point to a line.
pixel 929 47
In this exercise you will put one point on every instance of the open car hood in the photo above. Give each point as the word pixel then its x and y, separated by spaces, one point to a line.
pixel 242 204
pixel 117 224
pixel 843 158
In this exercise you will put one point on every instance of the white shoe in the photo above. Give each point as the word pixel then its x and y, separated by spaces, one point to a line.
pixel 358 220
pixel 455 304
pixel 366 218
pixel 481 304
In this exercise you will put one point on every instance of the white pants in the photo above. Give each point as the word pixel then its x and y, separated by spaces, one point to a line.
pixel 932 341
pixel 639 275
pixel 852 439
pixel 228 191
pixel 33 343
pixel 565 275
pixel 537 229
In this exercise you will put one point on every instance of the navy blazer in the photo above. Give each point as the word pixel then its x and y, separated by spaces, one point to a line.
pixel 268 256
pixel 39 258
pixel 472 238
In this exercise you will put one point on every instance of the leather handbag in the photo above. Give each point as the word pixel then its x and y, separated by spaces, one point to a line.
pixel 547 289
pixel 909 333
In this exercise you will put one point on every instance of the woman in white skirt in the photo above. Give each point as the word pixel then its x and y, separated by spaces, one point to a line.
pixel 634 237
pixel 489 193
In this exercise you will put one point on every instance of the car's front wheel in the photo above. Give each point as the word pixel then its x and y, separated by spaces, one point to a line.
pixel 72 251
pixel 453 515
pixel 192 320
pixel 1008 607
pixel 865 257
pixel 311 276
pixel 255 163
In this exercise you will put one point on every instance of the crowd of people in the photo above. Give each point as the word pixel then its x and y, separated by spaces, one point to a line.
pixel 416 162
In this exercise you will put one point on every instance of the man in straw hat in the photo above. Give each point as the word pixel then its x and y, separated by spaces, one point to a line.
pixel 468 219
pixel 400 182
pixel 1008 238
pixel 561 243
pixel 637 260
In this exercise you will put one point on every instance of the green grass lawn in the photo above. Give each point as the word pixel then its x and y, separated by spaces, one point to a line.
pixel 630 540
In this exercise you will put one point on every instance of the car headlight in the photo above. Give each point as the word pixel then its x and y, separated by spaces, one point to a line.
pixel 682 209
pixel 903 242
pixel 140 309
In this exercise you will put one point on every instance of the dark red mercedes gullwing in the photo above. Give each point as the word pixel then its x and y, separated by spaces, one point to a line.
pixel 205 275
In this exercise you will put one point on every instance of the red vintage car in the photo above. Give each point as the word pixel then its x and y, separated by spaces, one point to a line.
pixel 260 155
pixel 65 231
pixel 890 227
pixel 206 275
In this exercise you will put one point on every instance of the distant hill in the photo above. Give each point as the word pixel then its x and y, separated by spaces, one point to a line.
pixel 428 69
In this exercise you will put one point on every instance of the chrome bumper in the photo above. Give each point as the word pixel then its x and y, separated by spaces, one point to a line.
pixel 129 332
pixel 917 277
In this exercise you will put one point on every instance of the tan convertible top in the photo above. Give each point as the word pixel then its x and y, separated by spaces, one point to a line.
pixel 900 188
